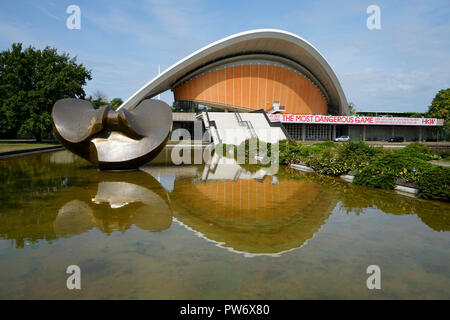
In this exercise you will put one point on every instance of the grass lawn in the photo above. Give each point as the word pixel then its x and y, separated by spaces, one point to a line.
pixel 21 146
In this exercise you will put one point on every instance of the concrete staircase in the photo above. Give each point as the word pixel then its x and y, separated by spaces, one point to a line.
pixel 234 127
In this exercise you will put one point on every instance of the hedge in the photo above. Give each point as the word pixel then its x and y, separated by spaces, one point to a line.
pixel 382 172
pixel 435 183
pixel 374 166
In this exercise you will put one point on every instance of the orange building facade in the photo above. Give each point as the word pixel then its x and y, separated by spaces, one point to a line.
pixel 253 86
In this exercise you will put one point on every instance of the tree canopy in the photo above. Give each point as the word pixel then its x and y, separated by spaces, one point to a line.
pixel 116 102
pixel 440 108
pixel 99 99
pixel 31 81
pixel 352 108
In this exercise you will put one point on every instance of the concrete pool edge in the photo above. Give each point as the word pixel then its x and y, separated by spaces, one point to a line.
pixel 17 153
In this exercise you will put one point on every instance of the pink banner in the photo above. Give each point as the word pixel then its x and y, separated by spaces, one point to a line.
pixel 321 119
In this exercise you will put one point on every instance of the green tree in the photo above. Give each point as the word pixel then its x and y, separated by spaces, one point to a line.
pixel 115 103
pixel 440 108
pixel 31 81
pixel 98 99
pixel 351 108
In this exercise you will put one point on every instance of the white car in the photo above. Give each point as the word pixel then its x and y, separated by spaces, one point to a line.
pixel 342 139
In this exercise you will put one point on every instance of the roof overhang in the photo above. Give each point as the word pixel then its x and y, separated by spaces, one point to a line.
pixel 266 41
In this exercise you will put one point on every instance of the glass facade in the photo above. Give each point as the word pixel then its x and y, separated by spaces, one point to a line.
pixel 191 106
pixel 313 132
pixel 318 132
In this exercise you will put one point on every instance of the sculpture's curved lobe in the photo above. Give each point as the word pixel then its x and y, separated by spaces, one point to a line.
pixel 113 140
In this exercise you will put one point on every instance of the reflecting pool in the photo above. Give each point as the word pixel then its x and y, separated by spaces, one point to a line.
pixel 221 232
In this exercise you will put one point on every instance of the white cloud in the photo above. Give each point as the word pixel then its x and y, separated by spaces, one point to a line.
pixel 48 13
pixel 176 17
pixel 393 89
pixel 116 20
pixel 14 33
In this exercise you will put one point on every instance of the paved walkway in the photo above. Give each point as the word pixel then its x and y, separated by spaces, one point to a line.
pixel 441 163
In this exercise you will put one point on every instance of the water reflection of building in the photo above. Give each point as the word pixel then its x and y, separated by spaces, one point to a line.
pixel 251 213
pixel 250 199
pixel 166 175
pixel 246 211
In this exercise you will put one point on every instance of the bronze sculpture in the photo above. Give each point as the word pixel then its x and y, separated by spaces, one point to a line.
pixel 113 140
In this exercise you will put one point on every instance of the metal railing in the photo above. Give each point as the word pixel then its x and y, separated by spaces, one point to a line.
pixel 211 127
pixel 246 124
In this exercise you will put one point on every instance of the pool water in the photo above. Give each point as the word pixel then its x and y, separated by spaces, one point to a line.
pixel 192 232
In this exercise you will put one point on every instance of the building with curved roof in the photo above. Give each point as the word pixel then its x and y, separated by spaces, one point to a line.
pixel 253 70
pixel 275 72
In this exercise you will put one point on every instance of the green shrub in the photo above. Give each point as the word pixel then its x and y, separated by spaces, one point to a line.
pixel 333 167
pixel 374 176
pixel 445 154
pixel 320 146
pixel 434 183
pixel 292 152
pixel 232 151
pixel 382 172
pixel 418 150
pixel 327 161
pixel 328 157
pixel 359 149
pixel 418 147
pixel 375 167
pixel 358 153
pixel 414 154
pixel 336 159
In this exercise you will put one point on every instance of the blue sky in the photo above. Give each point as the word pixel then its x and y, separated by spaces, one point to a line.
pixel 400 67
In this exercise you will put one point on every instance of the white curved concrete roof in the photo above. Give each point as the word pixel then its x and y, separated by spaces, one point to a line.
pixel 267 41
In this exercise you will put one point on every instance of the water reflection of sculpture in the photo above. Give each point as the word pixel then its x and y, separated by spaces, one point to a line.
pixel 56 200
pixel 117 205
pixel 107 201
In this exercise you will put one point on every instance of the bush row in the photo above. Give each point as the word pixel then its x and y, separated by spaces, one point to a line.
pixel 372 165
pixel 384 171
pixel 329 157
